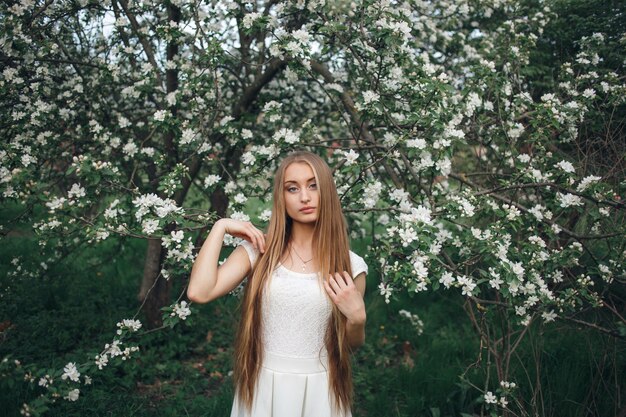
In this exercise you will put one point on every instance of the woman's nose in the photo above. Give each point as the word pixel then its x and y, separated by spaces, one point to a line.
pixel 304 196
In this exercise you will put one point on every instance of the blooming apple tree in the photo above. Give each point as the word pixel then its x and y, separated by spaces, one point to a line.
pixel 151 119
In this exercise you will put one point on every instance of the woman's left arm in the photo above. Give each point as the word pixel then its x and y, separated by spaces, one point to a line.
pixel 348 294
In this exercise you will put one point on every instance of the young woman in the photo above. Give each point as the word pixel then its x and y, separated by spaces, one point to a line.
pixel 302 309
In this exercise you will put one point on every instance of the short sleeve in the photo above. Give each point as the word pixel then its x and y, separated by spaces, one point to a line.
pixel 358 265
pixel 250 250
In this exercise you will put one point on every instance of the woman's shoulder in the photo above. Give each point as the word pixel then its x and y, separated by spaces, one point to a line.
pixel 358 264
pixel 252 252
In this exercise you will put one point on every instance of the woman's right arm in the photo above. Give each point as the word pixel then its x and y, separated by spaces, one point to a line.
pixel 209 281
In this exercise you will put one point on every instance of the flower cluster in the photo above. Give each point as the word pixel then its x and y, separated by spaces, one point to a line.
pixel 151 203
pixel 128 324
pixel 181 310
pixel 414 319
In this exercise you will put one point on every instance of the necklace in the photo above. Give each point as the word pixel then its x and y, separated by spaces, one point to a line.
pixel 304 263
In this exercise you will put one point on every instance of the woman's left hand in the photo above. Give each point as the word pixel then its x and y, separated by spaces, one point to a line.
pixel 346 296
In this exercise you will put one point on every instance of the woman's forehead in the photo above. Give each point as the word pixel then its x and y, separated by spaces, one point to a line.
pixel 299 172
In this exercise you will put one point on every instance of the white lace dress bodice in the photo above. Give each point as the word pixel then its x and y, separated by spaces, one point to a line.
pixel 295 313
pixel 296 309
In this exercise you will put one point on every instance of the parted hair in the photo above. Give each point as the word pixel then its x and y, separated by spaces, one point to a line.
pixel 331 252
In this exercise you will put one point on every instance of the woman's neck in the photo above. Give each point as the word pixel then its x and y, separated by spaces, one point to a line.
pixel 302 234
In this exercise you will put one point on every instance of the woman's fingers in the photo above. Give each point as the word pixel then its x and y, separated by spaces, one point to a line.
pixel 347 279
pixel 339 281
pixel 329 290
pixel 254 235
pixel 245 230
pixel 332 282
pixel 260 240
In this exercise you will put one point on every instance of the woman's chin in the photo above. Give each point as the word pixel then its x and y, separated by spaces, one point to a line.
pixel 305 218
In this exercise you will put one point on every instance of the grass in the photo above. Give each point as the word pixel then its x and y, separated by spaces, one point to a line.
pixel 69 312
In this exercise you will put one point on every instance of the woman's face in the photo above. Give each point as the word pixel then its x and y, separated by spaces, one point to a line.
pixel 300 193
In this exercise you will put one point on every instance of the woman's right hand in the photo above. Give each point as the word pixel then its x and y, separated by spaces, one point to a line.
pixel 244 230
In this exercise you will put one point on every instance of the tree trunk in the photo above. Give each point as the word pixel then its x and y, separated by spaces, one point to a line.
pixel 155 290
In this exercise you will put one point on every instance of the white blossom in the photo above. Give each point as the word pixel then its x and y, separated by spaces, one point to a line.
pixel 467 285
pixel 70 371
pixel 371 194
pixel 56 203
pixel 537 211
pixel 447 279
pixel 586 182
pixel 490 398
pixel 250 18
pixel 414 319
pixel 548 316
pixel 130 324
pixel 416 143
pixel 444 165
pixel 288 135
pixel 76 191
pixel 386 291
pixel 72 395
pixel 495 280
pixel 240 198
pixel 265 215
pixel 408 236
pixel 516 131
pixel 370 97
pixel 150 226
pixel 351 157
pixel 162 207
pixel 237 215
pixel 27 159
pixel 177 236
pixel 160 115
pixel 566 166
pixel 248 158
pixel 187 137
pixel 467 208
pixel 569 200
pixel 171 98
pixel 211 180
pixel 246 133
pixel 130 148
pixel 181 310
pixel 589 93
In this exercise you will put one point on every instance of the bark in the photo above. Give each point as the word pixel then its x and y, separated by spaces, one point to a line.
pixel 219 202
pixel 154 290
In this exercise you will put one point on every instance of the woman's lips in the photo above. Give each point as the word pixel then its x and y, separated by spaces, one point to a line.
pixel 307 210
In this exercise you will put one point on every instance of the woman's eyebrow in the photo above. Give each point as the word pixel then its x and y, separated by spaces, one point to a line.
pixel 295 182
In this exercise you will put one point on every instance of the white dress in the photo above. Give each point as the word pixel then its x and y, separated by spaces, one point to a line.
pixel 293 379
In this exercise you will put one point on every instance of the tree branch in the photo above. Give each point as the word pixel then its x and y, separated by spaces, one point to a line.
pixel 147 48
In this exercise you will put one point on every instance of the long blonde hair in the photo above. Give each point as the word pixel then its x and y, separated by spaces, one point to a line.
pixel 331 252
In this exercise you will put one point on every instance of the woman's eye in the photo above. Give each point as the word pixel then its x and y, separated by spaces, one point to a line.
pixel 291 189
pixel 313 186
